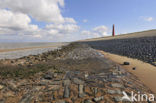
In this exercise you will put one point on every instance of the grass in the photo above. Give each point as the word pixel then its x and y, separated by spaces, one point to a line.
pixel 7 71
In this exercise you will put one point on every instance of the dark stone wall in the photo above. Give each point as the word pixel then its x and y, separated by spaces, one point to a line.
pixel 143 48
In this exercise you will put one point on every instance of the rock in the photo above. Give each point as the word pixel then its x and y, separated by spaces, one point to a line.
pixel 66 82
pixel 97 99
pixel 117 85
pixel 53 87
pixel 80 89
pixel 134 68
pixel 78 81
pixel 95 91
pixel 55 83
pixel 87 101
pixel 2 101
pixel 48 76
pixel 114 74
pixel 1 87
pixel 117 99
pixel 48 82
pixel 61 101
pixel 55 75
pixel 26 98
pixel 9 94
pixel 114 91
pixel 126 63
pixel 111 91
pixel 12 85
pixel 66 92
pixel 86 75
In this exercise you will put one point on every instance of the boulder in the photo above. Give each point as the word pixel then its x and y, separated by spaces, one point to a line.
pixel 126 63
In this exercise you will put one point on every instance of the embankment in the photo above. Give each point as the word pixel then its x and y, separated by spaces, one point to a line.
pixel 142 48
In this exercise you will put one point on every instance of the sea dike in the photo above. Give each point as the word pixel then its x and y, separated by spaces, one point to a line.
pixel 142 48
pixel 76 73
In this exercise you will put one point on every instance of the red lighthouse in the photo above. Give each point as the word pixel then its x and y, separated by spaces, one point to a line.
pixel 113 31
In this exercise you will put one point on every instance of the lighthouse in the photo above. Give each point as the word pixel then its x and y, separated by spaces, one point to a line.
pixel 113 31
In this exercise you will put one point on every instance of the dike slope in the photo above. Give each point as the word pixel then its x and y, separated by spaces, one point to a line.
pixel 141 45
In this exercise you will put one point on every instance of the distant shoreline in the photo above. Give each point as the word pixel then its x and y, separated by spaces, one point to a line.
pixel 15 53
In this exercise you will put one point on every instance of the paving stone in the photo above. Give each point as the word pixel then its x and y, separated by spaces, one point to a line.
pixel 114 91
pixel 53 87
pixel 66 82
pixel 117 85
pixel 80 90
pixel 66 92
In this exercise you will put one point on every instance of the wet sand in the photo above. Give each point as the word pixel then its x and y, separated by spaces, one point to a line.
pixel 144 71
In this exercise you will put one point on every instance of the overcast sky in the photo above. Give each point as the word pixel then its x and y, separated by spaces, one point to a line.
pixel 69 20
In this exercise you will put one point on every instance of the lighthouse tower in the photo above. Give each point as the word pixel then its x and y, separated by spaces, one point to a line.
pixel 113 31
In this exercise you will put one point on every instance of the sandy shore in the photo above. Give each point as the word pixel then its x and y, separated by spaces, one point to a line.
pixel 17 49
pixel 15 52
pixel 144 71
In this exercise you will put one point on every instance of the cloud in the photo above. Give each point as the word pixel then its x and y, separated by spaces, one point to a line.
pixel 13 23
pixel 102 30
pixel 98 31
pixel 16 21
pixel 70 20
pixel 149 19
pixel 41 10
pixel 62 28
pixel 85 20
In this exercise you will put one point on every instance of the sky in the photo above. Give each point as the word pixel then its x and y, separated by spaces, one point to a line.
pixel 70 20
